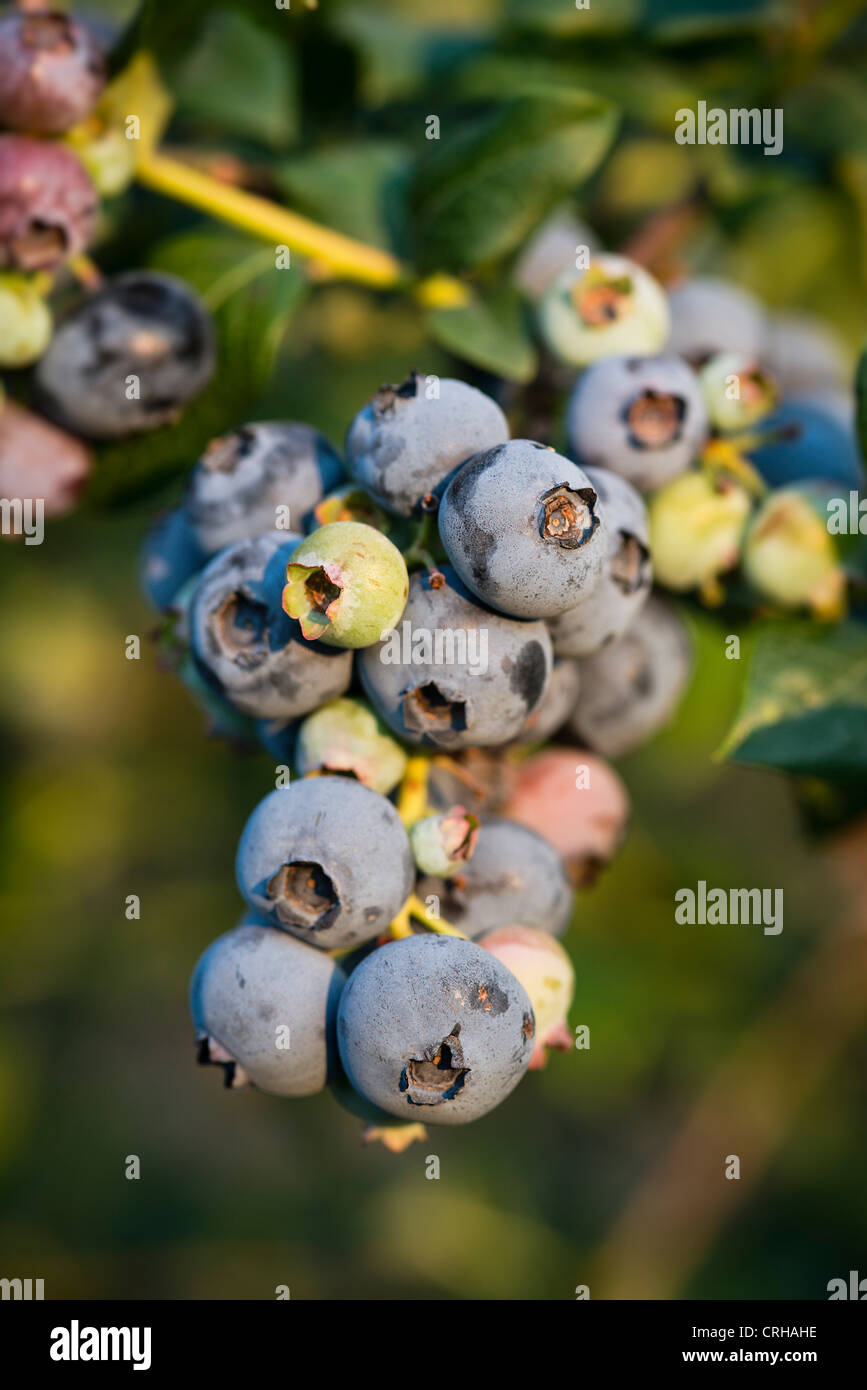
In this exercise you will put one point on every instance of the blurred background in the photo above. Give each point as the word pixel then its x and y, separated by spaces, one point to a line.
pixel 111 785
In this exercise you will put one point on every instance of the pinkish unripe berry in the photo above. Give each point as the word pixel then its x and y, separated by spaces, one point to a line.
pixel 577 801
pixel 48 204
pixel 346 584
pixel 38 460
pixel 541 965
pixel 52 72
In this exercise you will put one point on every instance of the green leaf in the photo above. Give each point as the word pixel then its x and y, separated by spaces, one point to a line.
pixel 357 188
pixel 565 19
pixel 252 302
pixel 861 400
pixel 805 705
pixel 479 195
pixel 240 80
pixel 491 333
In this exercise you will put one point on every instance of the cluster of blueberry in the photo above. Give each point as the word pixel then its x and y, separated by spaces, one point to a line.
pixel 131 350
pixel 451 599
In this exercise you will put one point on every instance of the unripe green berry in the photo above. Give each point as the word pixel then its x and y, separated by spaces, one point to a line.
pixel 611 308
pixel 737 391
pixel 346 736
pixel 790 556
pixel 346 584
pixel 441 845
pixel 696 526
pixel 26 320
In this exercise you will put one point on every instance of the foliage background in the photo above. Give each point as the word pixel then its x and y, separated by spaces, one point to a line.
pixel 110 785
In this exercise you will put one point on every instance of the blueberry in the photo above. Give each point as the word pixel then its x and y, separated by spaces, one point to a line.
pixel 521 526
pixel 815 445
pixel 443 844
pixel 26 320
pixel 170 557
pixel 264 1007
pixel 247 646
pixel 243 477
pixel 550 251
pixel 48 204
pixel 128 358
pixel 631 688
pixel 613 605
pixel 407 440
pixel 641 417
pixel 710 316
pixel 539 963
pixel 611 307
pixel 433 1028
pixel 575 800
pixel 346 584
pixel 327 859
pixel 555 705
pixel 38 460
pixel 345 736
pixel 52 72
pixel 804 355
pixel 737 390
pixel 790 556
pixel 514 875
pixel 455 674
pixel 696 527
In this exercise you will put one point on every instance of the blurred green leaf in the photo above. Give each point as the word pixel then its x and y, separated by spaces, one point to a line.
pixel 805 705
pixel 492 333
pixel 564 18
pixel 402 50
pixel 165 30
pixel 484 191
pixel 240 80
pixel 357 188
pixel 252 302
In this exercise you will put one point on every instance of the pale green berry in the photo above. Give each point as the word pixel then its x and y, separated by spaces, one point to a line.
pixel 696 526
pixel 441 845
pixel 346 736
pixel 737 391
pixel 611 308
pixel 790 556
pixel 346 584
pixel 540 964
pixel 26 320
pixel 107 155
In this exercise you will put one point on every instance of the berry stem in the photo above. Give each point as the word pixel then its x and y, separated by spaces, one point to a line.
pixel 259 216
pixel 412 797
pixel 417 909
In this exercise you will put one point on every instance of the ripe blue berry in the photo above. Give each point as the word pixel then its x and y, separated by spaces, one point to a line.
pixel 48 204
pixel 327 859
pixel 170 557
pixel 558 701
pixel 514 876
pixel 709 316
pixel 814 445
pixel 52 71
pixel 264 1006
pixel 128 357
pixel 631 688
pixel 641 417
pixel 521 526
pixel 243 478
pixel 454 674
pixel 433 1028
pixel 614 603
pixel 611 307
pixel 408 439
pixel 247 646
